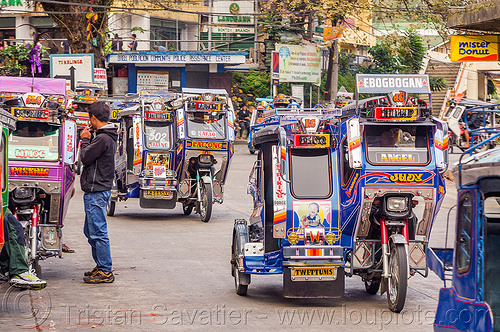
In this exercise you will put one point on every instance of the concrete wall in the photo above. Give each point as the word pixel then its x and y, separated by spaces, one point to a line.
pixel 144 23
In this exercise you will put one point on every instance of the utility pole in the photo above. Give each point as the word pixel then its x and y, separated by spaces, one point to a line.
pixel 333 68
pixel 210 21
pixel 255 50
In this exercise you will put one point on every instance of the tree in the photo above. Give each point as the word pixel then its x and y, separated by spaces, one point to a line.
pixel 84 26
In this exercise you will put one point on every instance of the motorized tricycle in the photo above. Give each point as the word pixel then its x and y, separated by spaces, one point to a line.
pixel 470 297
pixel 280 101
pixel 7 126
pixel 205 131
pixel 146 150
pixel 41 162
pixel 335 194
pixel 458 114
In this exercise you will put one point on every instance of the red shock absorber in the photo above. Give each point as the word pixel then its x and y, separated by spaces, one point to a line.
pixel 383 232
pixel 34 219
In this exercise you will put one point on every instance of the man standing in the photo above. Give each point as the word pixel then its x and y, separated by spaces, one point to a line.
pixel 244 121
pixel 98 157
pixel 133 43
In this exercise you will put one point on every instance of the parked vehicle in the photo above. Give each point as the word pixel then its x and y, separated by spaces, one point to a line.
pixel 457 115
pixel 7 126
pixel 205 146
pixel 469 299
pixel 145 157
pixel 335 193
pixel 41 162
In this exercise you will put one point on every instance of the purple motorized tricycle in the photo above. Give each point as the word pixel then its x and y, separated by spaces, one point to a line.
pixel 41 161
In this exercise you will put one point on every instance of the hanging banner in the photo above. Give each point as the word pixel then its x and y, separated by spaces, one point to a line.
pixel 468 48
pixel 331 33
pixel 299 63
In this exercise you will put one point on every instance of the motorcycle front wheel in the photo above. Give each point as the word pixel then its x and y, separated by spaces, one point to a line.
pixel 397 283
pixel 206 201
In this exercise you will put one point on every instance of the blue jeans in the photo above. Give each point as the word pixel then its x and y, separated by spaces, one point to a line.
pixel 96 229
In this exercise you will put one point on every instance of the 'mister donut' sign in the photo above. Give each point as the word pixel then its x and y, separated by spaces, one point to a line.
pixel 467 48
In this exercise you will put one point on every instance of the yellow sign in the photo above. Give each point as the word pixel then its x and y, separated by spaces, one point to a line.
pixel 331 33
pixel 474 48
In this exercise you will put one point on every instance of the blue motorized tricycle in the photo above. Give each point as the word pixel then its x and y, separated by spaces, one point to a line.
pixel 470 297
pixel 335 193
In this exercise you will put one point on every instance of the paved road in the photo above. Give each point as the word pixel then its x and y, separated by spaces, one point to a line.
pixel 172 272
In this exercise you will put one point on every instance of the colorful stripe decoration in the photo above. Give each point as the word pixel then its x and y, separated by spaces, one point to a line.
pixel 314 252
pixel 279 217
pixel 355 144
pixel 283 153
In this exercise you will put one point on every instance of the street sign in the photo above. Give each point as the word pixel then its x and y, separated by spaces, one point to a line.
pixel 72 67
pixel 386 83
pixel 468 48
pixel 275 69
pixel 100 76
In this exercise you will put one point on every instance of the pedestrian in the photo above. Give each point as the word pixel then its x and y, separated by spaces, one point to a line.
pixel 244 121
pixel 98 158
pixel 133 43
pixel 117 44
pixel 13 262
pixel 65 46
pixel 2 45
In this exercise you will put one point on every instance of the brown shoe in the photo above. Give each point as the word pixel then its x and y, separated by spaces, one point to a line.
pixel 100 277
pixel 89 273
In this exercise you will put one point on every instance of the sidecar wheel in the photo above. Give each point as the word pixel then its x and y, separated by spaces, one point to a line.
pixel 241 279
pixel 206 201
pixel 187 209
pixel 397 283
pixel 110 211
pixel 372 286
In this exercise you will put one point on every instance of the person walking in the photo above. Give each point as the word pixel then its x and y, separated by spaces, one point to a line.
pixel 98 158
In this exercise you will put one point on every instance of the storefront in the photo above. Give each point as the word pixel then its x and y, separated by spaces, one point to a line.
pixel 148 71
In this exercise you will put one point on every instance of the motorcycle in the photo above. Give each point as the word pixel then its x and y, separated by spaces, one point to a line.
pixel 205 145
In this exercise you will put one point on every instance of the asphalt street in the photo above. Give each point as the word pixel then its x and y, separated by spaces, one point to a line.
pixel 173 273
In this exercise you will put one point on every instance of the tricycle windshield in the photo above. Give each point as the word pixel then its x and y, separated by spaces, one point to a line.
pixel 211 125
pixel 310 173
pixel 397 144
pixel 34 141
pixel 157 135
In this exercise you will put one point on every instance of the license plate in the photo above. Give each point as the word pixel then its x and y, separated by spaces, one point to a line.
pixel 158 194
pixel 314 274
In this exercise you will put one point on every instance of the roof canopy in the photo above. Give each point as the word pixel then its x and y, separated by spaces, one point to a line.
pixel 50 86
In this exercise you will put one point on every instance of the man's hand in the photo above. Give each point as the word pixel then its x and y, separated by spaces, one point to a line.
pixel 85 133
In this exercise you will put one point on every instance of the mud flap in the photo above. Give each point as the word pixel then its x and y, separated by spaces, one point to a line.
pixel 157 203
pixel 313 289
pixel 241 233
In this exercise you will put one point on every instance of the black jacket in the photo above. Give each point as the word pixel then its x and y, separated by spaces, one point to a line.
pixel 98 157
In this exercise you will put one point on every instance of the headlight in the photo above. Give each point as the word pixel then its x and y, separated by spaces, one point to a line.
pixel 397 204
pixel 23 192
pixel 205 159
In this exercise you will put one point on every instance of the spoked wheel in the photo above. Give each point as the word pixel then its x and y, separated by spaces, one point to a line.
pixel 206 201
pixel 372 286
pixel 241 279
pixel 187 209
pixel 110 210
pixel 397 283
